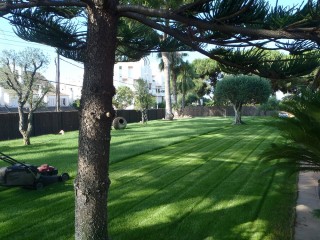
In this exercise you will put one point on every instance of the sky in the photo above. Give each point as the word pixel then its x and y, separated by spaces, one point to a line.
pixel 71 71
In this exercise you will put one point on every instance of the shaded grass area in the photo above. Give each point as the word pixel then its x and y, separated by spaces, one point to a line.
pixel 188 179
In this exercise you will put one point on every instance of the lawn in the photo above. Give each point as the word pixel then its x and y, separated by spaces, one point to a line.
pixel 193 179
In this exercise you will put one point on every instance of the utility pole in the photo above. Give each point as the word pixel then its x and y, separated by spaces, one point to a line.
pixel 58 83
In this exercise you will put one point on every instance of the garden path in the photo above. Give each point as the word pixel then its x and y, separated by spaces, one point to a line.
pixel 307 226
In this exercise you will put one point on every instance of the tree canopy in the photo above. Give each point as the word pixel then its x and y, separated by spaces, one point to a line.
pixel 240 90
pixel 123 98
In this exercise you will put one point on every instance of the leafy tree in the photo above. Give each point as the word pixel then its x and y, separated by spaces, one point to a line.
pixel 143 99
pixel 123 98
pixel 201 89
pixel 242 89
pixel 299 149
pixel 271 105
pixel 76 104
pixel 207 69
pixel 191 98
pixel 201 25
pixel 21 74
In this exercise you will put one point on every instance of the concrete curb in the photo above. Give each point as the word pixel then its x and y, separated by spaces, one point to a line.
pixel 307 226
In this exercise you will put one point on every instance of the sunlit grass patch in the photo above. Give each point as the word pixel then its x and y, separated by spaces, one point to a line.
pixel 191 179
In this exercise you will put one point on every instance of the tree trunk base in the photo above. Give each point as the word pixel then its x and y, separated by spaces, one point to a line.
pixel 169 116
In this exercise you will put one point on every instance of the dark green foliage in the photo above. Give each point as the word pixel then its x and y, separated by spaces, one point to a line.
pixel 285 71
pixel 123 98
pixel 271 105
pixel 299 149
pixel 207 69
pixel 242 89
pixel 76 104
pixel 191 98
pixel 52 26
pixel 66 30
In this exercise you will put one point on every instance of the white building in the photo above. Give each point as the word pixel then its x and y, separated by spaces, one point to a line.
pixel 50 100
pixel 8 98
pixel 127 73
pixel 72 88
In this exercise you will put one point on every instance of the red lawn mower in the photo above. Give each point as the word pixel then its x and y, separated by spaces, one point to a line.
pixel 27 175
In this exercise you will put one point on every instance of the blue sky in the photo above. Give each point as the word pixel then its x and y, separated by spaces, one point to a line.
pixel 69 69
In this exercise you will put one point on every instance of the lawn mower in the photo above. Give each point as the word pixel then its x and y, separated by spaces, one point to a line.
pixel 27 175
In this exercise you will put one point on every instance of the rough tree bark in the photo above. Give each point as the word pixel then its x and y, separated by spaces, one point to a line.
pixel 96 114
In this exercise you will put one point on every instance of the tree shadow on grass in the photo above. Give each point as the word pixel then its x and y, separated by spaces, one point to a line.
pixel 30 214
pixel 209 187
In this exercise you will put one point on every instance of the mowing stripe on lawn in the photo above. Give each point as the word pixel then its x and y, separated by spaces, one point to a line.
pixel 242 197
pixel 174 159
pixel 229 173
pixel 145 161
pixel 204 187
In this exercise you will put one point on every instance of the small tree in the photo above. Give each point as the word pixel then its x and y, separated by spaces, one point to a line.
pixel 143 99
pixel 123 98
pixel 20 73
pixel 242 89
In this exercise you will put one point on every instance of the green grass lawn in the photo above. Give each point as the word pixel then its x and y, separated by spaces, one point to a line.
pixel 186 179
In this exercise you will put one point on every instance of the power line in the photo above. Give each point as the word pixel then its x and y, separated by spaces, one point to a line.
pixel 71 63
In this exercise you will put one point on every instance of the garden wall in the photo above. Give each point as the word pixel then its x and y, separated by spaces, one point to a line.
pixel 53 122
pixel 203 111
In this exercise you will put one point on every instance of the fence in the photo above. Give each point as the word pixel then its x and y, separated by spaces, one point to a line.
pixel 53 122
pixel 197 111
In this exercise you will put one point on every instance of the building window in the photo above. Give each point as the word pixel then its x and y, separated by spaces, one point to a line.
pixel 120 72
pixel 51 102
pixel 130 72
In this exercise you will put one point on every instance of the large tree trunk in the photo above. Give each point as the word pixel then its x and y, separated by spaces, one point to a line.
pixel 166 70
pixel 96 115
pixel 237 113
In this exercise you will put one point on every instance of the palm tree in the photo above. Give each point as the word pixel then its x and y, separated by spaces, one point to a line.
pixel 175 60
pixel 185 82
pixel 299 150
